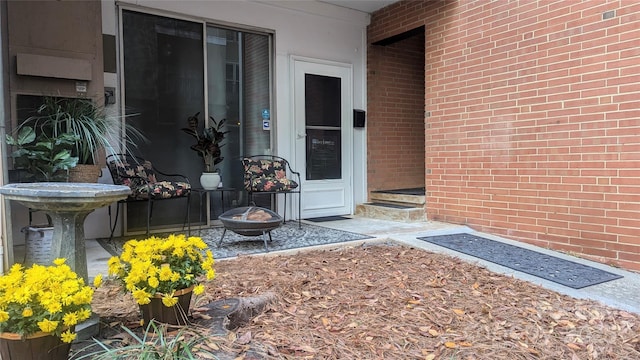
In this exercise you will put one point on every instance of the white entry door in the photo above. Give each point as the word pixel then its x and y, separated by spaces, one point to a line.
pixel 323 131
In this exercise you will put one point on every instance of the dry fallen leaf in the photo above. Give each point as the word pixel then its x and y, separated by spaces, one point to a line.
pixel 244 339
pixel 573 346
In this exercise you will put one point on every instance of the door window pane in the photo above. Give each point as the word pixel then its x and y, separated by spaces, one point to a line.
pixel 323 121
pixel 164 84
pixel 323 154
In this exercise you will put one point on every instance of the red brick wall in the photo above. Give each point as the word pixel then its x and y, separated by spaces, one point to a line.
pixel 395 134
pixel 534 127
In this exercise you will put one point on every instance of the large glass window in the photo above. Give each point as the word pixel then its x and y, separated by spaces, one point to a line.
pixel 167 79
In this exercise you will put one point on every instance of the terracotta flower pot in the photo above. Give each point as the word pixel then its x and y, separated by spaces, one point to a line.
pixel 174 315
pixel 37 346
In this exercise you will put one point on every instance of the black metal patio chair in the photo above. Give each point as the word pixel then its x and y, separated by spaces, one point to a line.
pixel 146 185
pixel 270 174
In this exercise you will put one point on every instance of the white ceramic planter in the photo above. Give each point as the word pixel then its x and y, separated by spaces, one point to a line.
pixel 210 181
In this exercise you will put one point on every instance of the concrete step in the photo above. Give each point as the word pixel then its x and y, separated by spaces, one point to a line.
pixel 388 197
pixel 391 211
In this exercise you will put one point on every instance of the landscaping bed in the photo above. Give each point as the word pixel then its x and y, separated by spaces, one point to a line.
pixel 395 302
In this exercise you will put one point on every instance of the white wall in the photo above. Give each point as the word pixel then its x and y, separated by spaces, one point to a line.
pixel 303 28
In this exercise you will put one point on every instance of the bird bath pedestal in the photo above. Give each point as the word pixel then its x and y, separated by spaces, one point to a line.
pixel 68 204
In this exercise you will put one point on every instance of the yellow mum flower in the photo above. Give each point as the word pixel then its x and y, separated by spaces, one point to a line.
pixel 54 307
pixel 175 277
pixel 47 326
pixel 16 268
pixel 83 296
pixel 83 314
pixel 179 252
pixel 198 289
pixel 142 297
pixel 4 316
pixel 211 274
pixel 27 312
pixel 153 282
pixel 59 261
pixel 169 300
pixel 165 273
pixel 97 281
pixel 22 295
pixel 114 265
pixel 68 336
pixel 70 319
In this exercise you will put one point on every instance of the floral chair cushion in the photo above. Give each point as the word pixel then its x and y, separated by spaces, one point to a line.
pixel 143 182
pixel 266 175
pixel 161 190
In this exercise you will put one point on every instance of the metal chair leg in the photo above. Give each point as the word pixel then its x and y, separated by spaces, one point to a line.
pixel 284 218
pixel 113 227
pixel 187 219
pixel 149 214
pixel 300 210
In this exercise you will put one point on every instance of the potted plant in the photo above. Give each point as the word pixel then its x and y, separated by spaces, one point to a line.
pixel 41 157
pixel 39 308
pixel 162 273
pixel 97 133
pixel 208 147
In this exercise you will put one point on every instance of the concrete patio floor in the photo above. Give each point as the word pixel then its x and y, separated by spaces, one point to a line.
pixel 622 293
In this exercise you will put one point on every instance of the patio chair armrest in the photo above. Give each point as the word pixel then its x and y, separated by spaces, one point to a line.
pixel 297 174
pixel 183 177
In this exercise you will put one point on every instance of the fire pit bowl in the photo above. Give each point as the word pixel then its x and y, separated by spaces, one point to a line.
pixel 250 221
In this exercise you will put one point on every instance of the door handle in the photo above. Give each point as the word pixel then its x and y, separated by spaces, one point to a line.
pixel 301 136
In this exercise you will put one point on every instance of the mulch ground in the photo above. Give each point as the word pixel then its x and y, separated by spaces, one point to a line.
pixel 395 302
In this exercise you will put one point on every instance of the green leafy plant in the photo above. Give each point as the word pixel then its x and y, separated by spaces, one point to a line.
pixel 94 128
pixel 44 158
pixel 209 141
pixel 154 344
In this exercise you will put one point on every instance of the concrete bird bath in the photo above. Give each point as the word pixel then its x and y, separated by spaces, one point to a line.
pixel 68 204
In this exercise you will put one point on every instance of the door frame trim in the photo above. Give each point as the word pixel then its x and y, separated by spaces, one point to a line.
pixel 348 148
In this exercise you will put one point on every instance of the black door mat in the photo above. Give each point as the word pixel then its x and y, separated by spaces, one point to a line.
pixel 328 218
pixel 564 272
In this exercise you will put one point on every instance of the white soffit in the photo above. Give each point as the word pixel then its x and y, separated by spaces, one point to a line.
pixel 367 6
